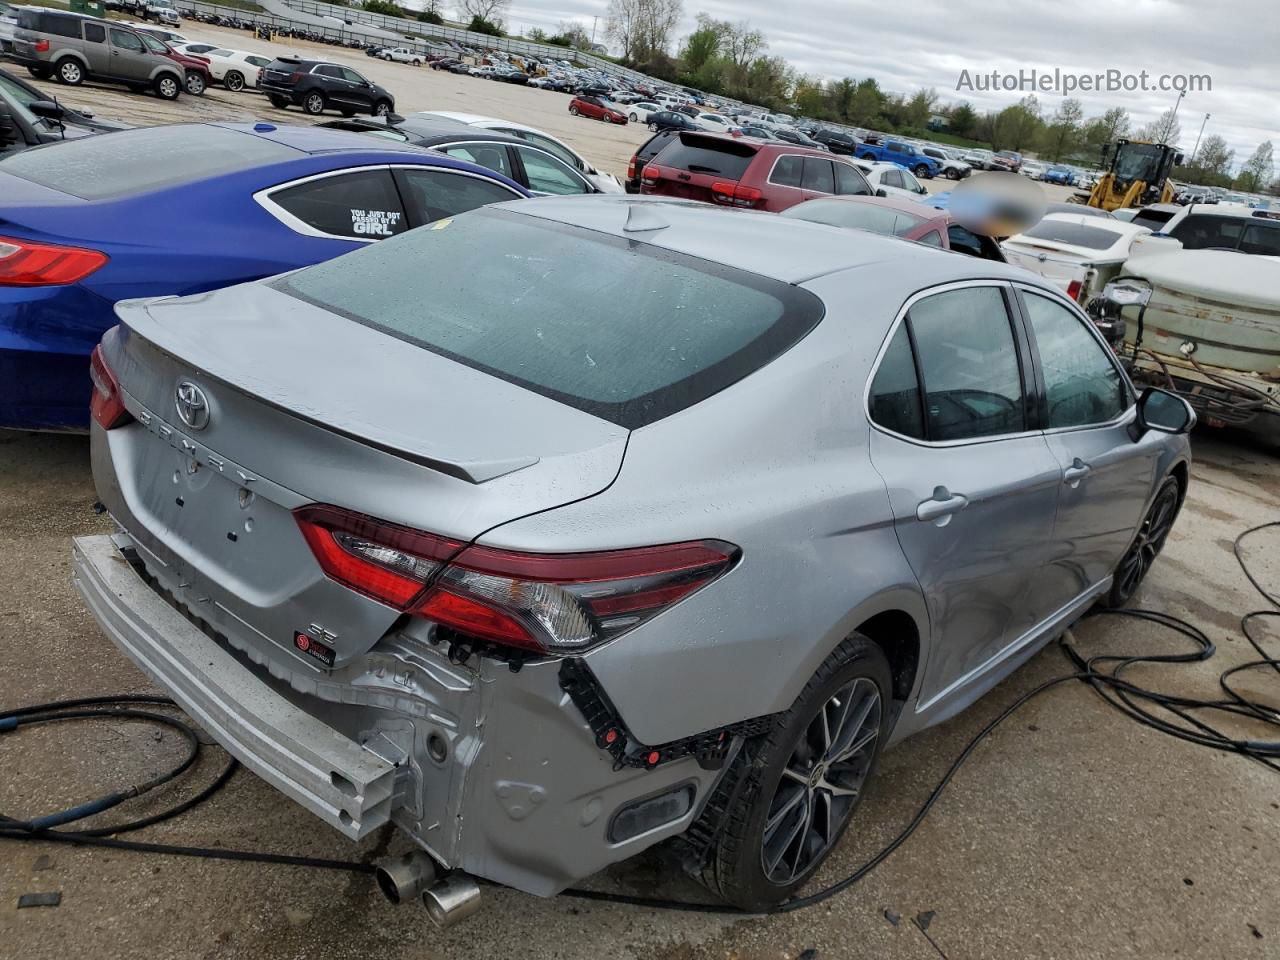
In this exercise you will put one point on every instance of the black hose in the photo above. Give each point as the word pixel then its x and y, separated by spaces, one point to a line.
pixel 1181 720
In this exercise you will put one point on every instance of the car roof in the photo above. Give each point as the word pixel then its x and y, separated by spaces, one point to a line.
pixel 790 250
pixel 443 130
pixel 315 139
pixel 913 208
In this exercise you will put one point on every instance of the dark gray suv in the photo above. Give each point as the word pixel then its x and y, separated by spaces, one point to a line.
pixel 72 48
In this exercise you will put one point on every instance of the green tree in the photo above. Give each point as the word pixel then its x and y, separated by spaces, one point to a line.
pixel 1167 129
pixel 868 101
pixel 919 107
pixel 430 16
pixel 1211 166
pixel 1063 134
pixel 1019 126
pixel 702 46
pixel 964 119
pixel 1258 170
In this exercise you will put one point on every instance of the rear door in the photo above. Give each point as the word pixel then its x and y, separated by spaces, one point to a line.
pixel 786 182
pixel 1106 477
pixel 96 50
pixel 356 205
pixel 972 482
pixel 817 178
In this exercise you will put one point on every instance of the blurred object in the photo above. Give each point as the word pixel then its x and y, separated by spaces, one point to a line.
pixel 997 204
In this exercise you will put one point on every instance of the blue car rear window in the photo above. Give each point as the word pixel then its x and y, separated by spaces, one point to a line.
pixel 627 331
pixel 149 158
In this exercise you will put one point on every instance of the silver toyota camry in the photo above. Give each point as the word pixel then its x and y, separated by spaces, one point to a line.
pixel 568 526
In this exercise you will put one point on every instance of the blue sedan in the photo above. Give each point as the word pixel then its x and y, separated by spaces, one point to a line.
pixel 1063 175
pixel 184 209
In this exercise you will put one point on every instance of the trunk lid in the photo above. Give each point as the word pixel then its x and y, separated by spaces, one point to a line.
pixel 304 406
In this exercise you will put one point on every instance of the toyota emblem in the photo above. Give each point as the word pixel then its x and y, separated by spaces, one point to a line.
pixel 192 405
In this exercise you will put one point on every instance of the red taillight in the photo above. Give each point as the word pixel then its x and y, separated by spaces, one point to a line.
pixel 727 191
pixel 27 264
pixel 42 46
pixel 1073 290
pixel 295 76
pixel 106 404
pixel 631 168
pixel 542 602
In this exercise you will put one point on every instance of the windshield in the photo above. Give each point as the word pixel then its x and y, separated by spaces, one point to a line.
pixel 554 309
pixel 17 98
pixel 1138 161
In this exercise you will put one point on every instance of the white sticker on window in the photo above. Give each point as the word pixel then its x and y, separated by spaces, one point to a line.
pixel 374 223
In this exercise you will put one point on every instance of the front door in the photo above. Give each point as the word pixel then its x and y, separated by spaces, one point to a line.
pixel 1106 476
pixel 972 484
pixel 129 58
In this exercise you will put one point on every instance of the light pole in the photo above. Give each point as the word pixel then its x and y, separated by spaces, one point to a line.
pixel 1168 130
pixel 593 31
pixel 1196 152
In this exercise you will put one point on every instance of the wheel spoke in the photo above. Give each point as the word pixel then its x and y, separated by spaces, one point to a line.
pixel 858 746
pixel 776 818
pixel 853 722
pixel 801 824
pixel 835 790
pixel 802 836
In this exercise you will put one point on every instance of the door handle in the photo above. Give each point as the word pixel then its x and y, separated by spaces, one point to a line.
pixel 1075 473
pixel 941 506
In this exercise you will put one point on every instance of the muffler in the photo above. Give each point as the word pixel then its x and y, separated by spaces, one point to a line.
pixel 452 900
pixel 403 879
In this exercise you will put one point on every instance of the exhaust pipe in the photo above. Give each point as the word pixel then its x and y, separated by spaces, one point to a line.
pixel 452 900
pixel 402 879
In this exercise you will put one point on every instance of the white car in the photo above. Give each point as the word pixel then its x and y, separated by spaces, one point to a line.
pixel 1033 169
pixel 953 168
pixel 639 112
pixel 1078 252
pixel 403 55
pixel 714 122
pixel 483 71
pixel 604 182
pixel 891 180
pixel 235 69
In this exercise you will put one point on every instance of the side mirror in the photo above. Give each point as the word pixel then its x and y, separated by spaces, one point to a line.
pixel 921 190
pixel 882 192
pixel 1164 412
pixel 46 109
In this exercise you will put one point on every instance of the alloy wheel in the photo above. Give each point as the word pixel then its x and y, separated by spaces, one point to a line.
pixel 234 82
pixel 822 781
pixel 70 73
pixel 1147 544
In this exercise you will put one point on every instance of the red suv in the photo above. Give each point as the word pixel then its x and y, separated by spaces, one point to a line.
pixel 742 172
pixel 596 109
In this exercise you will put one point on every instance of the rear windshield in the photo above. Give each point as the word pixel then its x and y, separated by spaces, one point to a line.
pixel 1152 219
pixel 118 164
pixel 851 213
pixel 722 158
pixel 1075 234
pixel 623 330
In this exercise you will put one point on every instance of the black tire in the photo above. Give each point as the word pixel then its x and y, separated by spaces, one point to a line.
pixel 653 128
pixel 233 80
pixel 70 71
pixel 1146 546
pixel 922 171
pixel 314 103
pixel 380 108
pixel 573 110
pixel 764 781
pixel 195 83
pixel 167 87
pixel 279 102
pixel 40 73
pixel 953 174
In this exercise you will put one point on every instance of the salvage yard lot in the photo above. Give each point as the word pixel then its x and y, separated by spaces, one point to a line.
pixel 1073 833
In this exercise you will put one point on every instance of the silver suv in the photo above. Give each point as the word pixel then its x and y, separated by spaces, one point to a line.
pixel 544 572
pixel 72 48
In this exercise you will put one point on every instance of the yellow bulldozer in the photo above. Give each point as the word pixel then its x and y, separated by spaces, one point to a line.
pixel 1138 175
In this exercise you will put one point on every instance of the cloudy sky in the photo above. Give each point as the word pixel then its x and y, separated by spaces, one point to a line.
pixel 927 43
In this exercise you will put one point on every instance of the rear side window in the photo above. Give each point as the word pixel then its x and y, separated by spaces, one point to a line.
pixel 653 146
pixel 362 205
pixel 951 371
pixel 546 174
pixel 818 176
pixel 788 171
pixel 1261 240
pixel 702 155
pixel 56 24
pixel 95 32
pixel 579 335
pixel 968 363
pixel 110 165
pixel 894 398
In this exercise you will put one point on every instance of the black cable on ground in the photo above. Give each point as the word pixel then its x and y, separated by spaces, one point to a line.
pixel 1177 716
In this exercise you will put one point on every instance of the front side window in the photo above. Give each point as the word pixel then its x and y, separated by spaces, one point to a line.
pixel 892 178
pixel 968 361
pixel 362 205
pixel 491 155
pixel 433 195
pixel 126 41
pixel 546 174
pixel 352 77
pixel 1082 384
pixel 910 182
